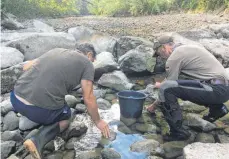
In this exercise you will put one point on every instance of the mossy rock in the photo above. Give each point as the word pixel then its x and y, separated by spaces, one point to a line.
pixel 162 123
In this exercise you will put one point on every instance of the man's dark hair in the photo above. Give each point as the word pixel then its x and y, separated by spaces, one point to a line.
pixel 85 48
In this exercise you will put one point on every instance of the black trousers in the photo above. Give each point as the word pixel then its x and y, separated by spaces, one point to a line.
pixel 209 95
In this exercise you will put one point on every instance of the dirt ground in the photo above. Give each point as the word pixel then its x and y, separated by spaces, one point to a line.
pixel 146 26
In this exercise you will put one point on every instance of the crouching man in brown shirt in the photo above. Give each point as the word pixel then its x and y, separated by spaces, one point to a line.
pixel 208 85
pixel 39 94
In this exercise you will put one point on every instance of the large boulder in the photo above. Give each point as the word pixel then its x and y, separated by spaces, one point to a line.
pixel 126 43
pixel 81 33
pixel 9 76
pixel 35 45
pixel 10 57
pixel 104 63
pixel 206 150
pixel 116 80
pixel 197 34
pixel 219 48
pixel 42 27
pixel 138 60
pixel 10 23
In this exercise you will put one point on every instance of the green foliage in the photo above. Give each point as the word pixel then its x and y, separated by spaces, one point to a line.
pixel 39 8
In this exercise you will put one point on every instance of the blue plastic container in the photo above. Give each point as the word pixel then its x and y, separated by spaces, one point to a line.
pixel 131 103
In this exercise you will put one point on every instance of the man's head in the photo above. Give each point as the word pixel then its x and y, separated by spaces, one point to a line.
pixel 163 46
pixel 88 50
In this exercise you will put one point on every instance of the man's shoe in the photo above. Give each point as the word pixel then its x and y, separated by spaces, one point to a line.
pixel 32 147
pixel 178 135
pixel 216 113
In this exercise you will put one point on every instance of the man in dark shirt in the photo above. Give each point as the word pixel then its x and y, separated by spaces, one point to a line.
pixel 39 94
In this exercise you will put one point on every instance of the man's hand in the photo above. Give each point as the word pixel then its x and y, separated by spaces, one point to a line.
pixel 92 107
pixel 104 128
pixel 157 85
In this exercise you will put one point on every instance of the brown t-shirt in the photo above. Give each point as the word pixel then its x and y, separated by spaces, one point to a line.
pixel 54 75
pixel 195 62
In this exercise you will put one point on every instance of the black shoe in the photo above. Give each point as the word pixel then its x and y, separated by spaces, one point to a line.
pixel 178 135
pixel 216 113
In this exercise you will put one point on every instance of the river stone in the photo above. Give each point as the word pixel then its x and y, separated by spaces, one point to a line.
pixel 222 138
pixel 104 63
pixel 193 120
pixel 6 107
pixel 145 118
pixel 156 137
pixel 9 77
pixel 207 150
pixel 71 101
pixel 36 45
pixel 81 33
pixel 138 60
pixel 50 146
pixel 88 155
pixel 219 48
pixel 10 57
pixel 217 28
pixel 154 157
pixel 126 43
pixel 124 129
pixel 103 104
pixel 110 97
pixel 108 153
pixel 225 119
pixel 145 146
pixel 80 108
pixel 174 149
pixel 42 27
pixel 55 155
pixel 99 93
pixel 191 107
pixel 116 80
pixel 197 34
pixel 205 138
pixel 11 121
pixel 75 129
pixel 225 33
pixel 10 23
pixel 70 143
pixel 7 148
pixel 11 136
pixel 128 121
pixel 69 154
pixel 26 124
pixel 105 141
pixel 146 128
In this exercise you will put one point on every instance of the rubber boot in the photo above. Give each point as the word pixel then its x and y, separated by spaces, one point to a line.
pixel 216 112
pixel 174 119
pixel 36 143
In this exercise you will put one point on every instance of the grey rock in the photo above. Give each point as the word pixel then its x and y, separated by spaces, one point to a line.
pixel 42 27
pixel 189 107
pixel 88 155
pixel 104 63
pixel 11 121
pixel 146 146
pixel 217 28
pixel 69 155
pixel 50 146
pixel 71 101
pixel 109 153
pixel 174 149
pixel 11 135
pixel 207 150
pixel 146 128
pixel 139 59
pixel 81 33
pixel 55 155
pixel 156 137
pixel 154 157
pixel 6 107
pixel 225 33
pixel 103 104
pixel 116 80
pixel 128 121
pixel 197 34
pixel 126 43
pixel 70 143
pixel 99 93
pixel 81 108
pixel 76 129
pixel 9 77
pixel 10 23
pixel 106 141
pixel 205 138
pixel 26 124
pixel 7 148
pixel 193 120
pixel 219 48
pixel 35 45
pixel 10 57
pixel 110 97
pixel 222 138
pixel 124 129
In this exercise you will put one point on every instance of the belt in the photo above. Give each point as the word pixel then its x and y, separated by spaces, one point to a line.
pixel 219 81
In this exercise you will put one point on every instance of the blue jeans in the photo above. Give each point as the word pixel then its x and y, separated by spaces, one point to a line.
pixel 40 115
